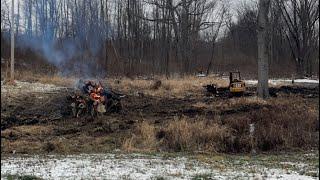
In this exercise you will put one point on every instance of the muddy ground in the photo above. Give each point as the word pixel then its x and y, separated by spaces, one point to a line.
pixel 40 121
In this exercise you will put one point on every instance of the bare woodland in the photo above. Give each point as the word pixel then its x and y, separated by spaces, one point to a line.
pixel 166 37
pixel 226 83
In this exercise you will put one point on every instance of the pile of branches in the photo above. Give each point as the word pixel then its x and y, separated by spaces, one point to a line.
pixel 93 99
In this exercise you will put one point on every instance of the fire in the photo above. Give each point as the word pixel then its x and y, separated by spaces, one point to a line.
pixel 93 99
pixel 96 93
pixel 95 96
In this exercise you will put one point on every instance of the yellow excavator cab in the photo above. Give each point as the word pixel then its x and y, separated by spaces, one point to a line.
pixel 236 85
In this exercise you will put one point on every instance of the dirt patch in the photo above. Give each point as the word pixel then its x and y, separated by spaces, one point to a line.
pixel 309 92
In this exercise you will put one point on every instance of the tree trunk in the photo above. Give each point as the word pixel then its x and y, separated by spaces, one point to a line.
pixel 300 67
pixel 211 59
pixel 263 66
pixel 12 44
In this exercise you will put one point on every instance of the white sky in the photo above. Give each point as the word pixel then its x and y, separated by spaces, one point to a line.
pixel 234 5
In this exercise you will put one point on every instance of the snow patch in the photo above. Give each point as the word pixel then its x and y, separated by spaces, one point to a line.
pixel 133 166
pixel 201 75
pixel 29 87
pixel 284 81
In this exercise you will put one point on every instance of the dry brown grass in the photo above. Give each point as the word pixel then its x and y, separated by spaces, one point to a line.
pixel 233 104
pixel 143 139
pixel 46 79
pixel 171 86
pixel 34 130
pixel 174 86
pixel 24 131
pixel 41 139
pixel 178 135
pixel 81 144
pixel 280 124
pixel 26 76
pixel 286 123
pixel 29 138
pixel 199 135
pixel 58 80
pixel 21 146
pixel 201 105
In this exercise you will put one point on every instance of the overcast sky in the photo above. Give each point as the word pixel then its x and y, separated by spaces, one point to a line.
pixel 233 3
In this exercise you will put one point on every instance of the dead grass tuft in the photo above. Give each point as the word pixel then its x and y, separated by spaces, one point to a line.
pixel 201 105
pixel 200 135
pixel 34 130
pixel 280 125
pixel 143 138
pixel 179 135
pixel 156 85
pixel 49 147
pixel 286 126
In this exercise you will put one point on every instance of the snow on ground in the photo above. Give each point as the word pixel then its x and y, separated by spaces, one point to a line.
pixel 284 81
pixel 40 87
pixel 135 166
pixel 29 87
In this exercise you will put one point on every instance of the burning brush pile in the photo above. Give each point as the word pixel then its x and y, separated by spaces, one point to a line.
pixel 93 98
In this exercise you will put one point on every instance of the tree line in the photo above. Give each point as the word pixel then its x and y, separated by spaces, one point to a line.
pixel 134 37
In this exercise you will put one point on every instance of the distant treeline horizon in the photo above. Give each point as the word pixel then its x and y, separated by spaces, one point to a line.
pixel 163 37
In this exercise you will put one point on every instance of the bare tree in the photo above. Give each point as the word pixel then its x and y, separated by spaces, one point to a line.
pixel 162 36
pixel 263 50
pixel 5 16
pixel 214 37
pixel 301 17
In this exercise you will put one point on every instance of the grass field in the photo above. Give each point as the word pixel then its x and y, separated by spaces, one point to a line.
pixel 174 116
